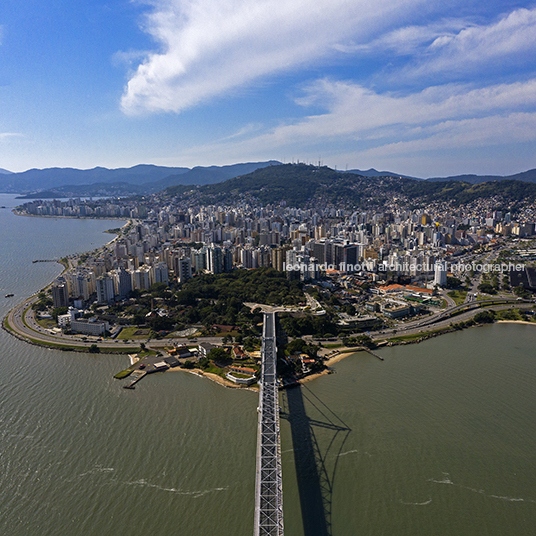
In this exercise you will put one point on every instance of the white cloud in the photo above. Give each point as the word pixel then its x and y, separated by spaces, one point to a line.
pixel 467 133
pixel 6 136
pixel 407 39
pixel 128 58
pixel 513 36
pixel 209 47
pixel 437 118
pixel 360 113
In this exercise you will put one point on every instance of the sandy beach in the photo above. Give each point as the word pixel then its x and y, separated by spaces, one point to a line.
pixel 516 322
pixel 214 378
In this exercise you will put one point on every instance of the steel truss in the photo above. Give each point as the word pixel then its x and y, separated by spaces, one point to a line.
pixel 268 481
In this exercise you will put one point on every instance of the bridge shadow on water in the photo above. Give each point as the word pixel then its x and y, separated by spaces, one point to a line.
pixel 318 436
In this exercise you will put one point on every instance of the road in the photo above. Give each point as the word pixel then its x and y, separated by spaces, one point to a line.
pixel 22 321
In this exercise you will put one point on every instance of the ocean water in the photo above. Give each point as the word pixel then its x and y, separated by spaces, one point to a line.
pixel 437 439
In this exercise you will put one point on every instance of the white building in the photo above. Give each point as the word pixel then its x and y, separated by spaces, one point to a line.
pixel 440 273
pixel 83 325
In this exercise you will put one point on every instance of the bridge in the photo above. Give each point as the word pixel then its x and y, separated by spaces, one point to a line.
pixel 268 479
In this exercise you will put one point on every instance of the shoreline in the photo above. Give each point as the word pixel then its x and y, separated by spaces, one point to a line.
pixel 516 322
pixel 213 377
pixel 332 356
pixel 345 351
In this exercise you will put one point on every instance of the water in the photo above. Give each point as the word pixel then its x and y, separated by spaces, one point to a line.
pixel 437 439
pixel 441 439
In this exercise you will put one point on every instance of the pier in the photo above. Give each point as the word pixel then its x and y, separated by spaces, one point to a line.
pixel 136 376
pixel 372 353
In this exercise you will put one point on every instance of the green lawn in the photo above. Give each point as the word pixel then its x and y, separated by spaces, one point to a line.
pixel 134 333
pixel 458 296
pixel 46 323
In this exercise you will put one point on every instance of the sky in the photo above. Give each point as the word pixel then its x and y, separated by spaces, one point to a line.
pixel 422 88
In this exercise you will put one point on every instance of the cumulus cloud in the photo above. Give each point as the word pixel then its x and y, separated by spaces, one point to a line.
pixel 210 47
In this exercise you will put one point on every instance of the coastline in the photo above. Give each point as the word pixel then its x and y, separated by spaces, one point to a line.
pixel 214 377
pixel 331 356
pixel 345 351
pixel 516 322
pixel 61 344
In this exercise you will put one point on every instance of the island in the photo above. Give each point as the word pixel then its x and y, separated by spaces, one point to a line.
pixel 184 283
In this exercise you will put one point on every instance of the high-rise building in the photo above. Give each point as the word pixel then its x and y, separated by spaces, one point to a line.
pixel 105 289
pixel 215 260
pixel 440 273
pixel 140 278
pixel 60 293
pixel 183 268
pixel 159 274
pixel 122 282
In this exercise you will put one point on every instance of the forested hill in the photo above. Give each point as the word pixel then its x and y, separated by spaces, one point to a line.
pixel 303 185
pixel 299 185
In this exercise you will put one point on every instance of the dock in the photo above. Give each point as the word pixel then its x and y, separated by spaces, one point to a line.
pixel 136 376
pixel 373 353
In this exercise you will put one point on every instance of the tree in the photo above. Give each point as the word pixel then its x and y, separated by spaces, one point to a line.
pixel 296 346
pixel 520 291
pixel 453 282
pixel 487 288
pixel 59 311
pixel 485 317
pixel 94 349
pixel 204 362
pixel 219 355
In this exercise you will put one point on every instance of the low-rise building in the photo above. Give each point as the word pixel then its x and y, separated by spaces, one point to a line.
pixel 89 326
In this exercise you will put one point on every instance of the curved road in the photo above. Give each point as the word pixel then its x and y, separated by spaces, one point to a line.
pixel 23 324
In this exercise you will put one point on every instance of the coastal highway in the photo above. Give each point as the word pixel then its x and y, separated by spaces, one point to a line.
pixel 22 323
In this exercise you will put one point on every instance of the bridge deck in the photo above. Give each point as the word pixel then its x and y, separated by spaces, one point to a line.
pixel 269 489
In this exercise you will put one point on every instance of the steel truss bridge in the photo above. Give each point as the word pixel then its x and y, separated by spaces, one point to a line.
pixel 268 480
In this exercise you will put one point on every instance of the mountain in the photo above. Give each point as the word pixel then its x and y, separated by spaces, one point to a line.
pixel 301 185
pixel 374 173
pixel 43 179
pixel 296 185
pixel 525 176
pixel 5 172
pixel 141 179
pixel 209 175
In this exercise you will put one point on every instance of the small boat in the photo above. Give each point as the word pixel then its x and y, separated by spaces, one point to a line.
pixel 10 295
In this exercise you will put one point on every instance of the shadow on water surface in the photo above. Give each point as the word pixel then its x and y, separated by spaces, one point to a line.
pixel 315 472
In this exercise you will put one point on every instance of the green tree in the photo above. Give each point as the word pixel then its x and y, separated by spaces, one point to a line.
pixel 219 355
pixel 59 311
pixel 485 317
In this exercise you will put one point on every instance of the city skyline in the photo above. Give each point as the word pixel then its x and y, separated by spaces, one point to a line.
pixel 417 88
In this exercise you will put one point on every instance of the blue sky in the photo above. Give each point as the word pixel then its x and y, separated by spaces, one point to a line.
pixel 424 88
